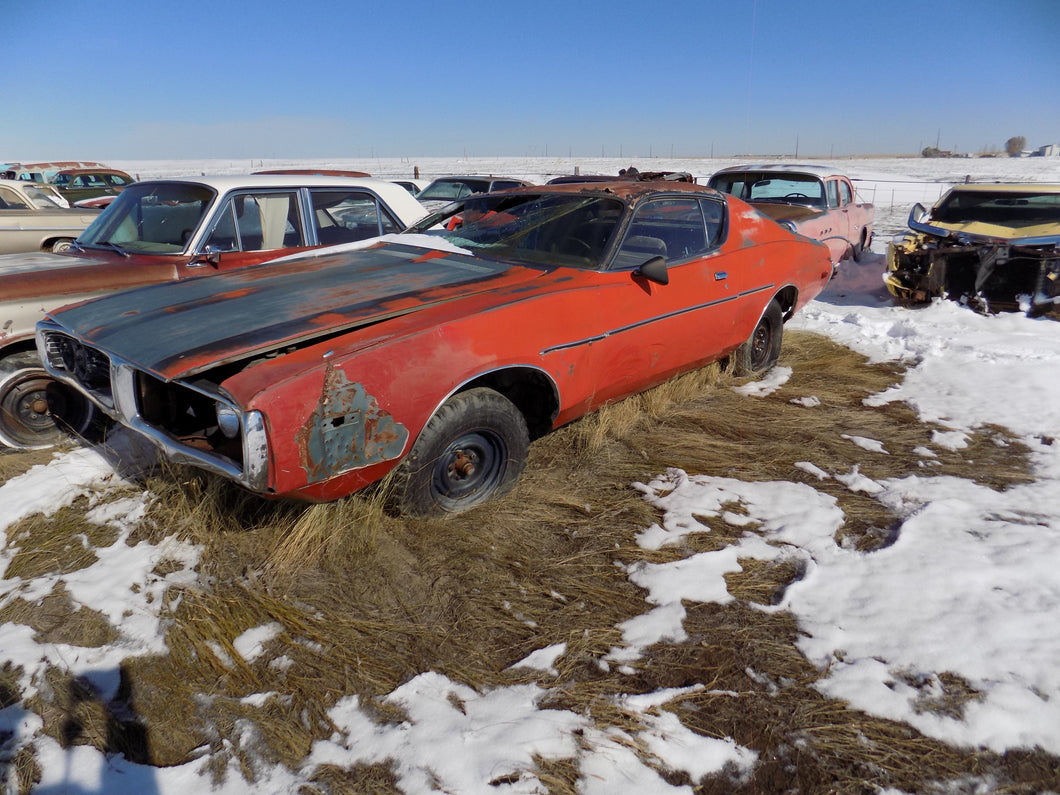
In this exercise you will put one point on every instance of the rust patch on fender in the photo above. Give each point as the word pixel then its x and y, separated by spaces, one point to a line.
pixel 348 430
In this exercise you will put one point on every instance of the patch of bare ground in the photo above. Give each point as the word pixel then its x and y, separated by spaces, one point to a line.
pixel 16 462
pixel 364 600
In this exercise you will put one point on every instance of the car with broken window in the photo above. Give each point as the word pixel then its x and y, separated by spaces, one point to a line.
pixel 816 201
pixel 994 247
pixel 34 219
pixel 169 230
pixel 440 352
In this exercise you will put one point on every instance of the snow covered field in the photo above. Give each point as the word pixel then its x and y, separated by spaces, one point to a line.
pixel 970 586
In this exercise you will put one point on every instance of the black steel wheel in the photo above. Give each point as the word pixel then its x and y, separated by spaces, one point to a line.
pixel 762 349
pixel 36 412
pixel 474 448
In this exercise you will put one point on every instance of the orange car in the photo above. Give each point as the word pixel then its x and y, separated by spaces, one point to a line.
pixel 440 352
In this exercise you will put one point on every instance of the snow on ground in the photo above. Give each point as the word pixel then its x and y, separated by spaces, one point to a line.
pixel 968 586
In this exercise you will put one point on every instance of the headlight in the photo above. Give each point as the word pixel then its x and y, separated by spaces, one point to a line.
pixel 228 420
pixel 789 226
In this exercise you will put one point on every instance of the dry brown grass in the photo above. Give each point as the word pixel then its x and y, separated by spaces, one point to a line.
pixel 367 600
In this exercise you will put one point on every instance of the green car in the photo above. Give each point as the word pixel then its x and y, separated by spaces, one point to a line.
pixel 87 183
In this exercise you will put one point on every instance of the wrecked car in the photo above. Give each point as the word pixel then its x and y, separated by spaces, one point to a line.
pixel 444 350
pixel 166 230
pixel 992 247
pixel 814 201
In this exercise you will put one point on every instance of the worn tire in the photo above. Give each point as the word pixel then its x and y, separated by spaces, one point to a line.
pixel 473 449
pixel 61 245
pixel 762 349
pixel 37 412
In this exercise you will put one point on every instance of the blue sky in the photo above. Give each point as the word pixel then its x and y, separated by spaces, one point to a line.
pixel 146 79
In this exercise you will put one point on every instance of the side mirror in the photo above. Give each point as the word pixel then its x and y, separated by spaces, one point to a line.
pixel 210 254
pixel 917 214
pixel 654 270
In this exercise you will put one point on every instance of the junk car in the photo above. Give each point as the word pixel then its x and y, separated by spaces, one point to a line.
pixel 78 184
pixel 446 189
pixel 814 201
pixel 993 247
pixel 444 350
pixel 167 230
pixel 32 218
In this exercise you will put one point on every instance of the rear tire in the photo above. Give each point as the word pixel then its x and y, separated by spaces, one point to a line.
pixel 36 411
pixel 473 449
pixel 762 349
pixel 61 245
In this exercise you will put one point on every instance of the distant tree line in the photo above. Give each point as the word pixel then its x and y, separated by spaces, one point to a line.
pixel 1013 146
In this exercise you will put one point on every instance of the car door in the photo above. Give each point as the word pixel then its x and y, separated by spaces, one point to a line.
pixel 839 210
pixel 253 226
pixel 648 330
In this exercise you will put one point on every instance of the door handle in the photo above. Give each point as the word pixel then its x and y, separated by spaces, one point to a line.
pixel 720 275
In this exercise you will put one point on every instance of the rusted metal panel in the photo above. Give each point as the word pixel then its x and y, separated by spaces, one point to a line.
pixel 347 430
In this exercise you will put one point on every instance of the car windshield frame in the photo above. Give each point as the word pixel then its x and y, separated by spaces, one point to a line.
pixel 152 218
pixel 549 230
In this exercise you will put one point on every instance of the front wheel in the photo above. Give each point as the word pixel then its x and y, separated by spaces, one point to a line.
pixel 473 449
pixel 61 245
pixel 37 412
pixel 762 349
pixel 857 251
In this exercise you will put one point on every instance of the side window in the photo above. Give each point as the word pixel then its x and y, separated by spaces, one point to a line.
pixel 344 216
pixel 671 228
pixel 833 193
pixel 116 179
pixel 714 216
pixel 9 200
pixel 844 192
pixel 258 222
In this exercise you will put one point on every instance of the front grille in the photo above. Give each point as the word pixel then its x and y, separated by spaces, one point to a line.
pixel 88 366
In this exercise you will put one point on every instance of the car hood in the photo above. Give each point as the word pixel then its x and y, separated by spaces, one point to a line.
pixel 48 277
pixel 786 212
pixel 1014 231
pixel 178 329
pixel 42 261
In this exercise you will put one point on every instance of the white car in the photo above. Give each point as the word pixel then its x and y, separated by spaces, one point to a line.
pixel 170 230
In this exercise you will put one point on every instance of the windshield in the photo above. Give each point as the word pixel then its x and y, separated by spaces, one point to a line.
pixel 764 187
pixel 40 199
pixel 449 189
pixel 158 218
pixel 545 229
pixel 1003 208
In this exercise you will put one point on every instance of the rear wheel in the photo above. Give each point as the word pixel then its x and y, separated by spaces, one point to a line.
pixel 61 245
pixel 762 349
pixel 473 449
pixel 36 412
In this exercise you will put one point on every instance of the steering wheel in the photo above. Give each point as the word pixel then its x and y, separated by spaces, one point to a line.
pixel 577 247
pixel 796 196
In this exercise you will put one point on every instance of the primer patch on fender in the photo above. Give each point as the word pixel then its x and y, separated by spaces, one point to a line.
pixel 348 430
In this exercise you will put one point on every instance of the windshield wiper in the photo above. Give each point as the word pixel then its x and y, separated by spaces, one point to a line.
pixel 112 246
